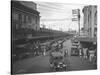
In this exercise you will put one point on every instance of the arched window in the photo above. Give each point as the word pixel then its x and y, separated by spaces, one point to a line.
pixel 15 16
pixel 95 18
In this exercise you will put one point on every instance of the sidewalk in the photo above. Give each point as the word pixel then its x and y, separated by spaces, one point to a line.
pixel 76 63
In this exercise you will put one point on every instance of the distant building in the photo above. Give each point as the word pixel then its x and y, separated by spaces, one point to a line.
pixel 90 20
pixel 71 31
pixel 24 16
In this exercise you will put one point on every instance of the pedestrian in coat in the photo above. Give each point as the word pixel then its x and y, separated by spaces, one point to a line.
pixel 85 53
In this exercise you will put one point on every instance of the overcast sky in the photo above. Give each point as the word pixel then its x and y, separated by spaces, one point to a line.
pixel 58 15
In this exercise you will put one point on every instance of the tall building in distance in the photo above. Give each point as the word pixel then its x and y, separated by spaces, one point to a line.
pixel 90 21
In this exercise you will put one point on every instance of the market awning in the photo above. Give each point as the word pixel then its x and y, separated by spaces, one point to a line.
pixel 86 39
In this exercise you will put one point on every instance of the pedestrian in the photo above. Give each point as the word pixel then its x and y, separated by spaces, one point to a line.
pixel 44 51
pixel 88 53
pixel 85 53
pixel 95 57
pixel 91 54
pixel 80 52
pixel 66 52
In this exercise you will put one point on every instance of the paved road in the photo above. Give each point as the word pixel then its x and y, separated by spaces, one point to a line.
pixel 41 64
pixel 75 62
pixel 67 46
pixel 32 65
pixel 37 64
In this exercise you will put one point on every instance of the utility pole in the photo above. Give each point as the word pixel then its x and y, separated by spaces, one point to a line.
pixel 79 20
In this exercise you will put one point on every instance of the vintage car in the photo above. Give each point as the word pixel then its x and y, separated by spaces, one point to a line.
pixel 57 62
pixel 59 66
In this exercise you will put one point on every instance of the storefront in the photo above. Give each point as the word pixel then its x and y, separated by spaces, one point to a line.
pixel 87 42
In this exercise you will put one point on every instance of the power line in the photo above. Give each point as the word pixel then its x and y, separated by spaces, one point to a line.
pixel 46 6
pixel 52 10
pixel 50 7
pixel 56 19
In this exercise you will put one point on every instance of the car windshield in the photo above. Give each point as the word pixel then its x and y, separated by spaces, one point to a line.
pixel 58 59
pixel 75 41
pixel 58 63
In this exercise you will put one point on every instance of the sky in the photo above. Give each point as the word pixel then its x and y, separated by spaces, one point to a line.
pixel 58 16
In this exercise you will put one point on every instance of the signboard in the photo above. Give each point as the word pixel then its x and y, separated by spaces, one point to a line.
pixel 74 19
pixel 76 15
pixel 75 12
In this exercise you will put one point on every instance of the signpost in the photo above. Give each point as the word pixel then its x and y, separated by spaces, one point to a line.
pixel 76 17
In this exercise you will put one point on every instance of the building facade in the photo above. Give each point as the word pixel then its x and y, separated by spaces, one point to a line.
pixel 90 20
pixel 24 16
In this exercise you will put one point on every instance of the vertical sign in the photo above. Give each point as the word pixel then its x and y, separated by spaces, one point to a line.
pixel 76 17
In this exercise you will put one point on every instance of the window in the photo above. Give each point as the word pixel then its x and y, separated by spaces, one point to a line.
pixel 16 26
pixel 20 18
pixel 95 18
pixel 23 18
pixel 29 19
pixel 36 20
pixel 15 16
pixel 33 19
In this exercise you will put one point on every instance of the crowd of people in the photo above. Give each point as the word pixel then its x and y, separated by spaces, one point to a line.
pixel 89 53
pixel 40 49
